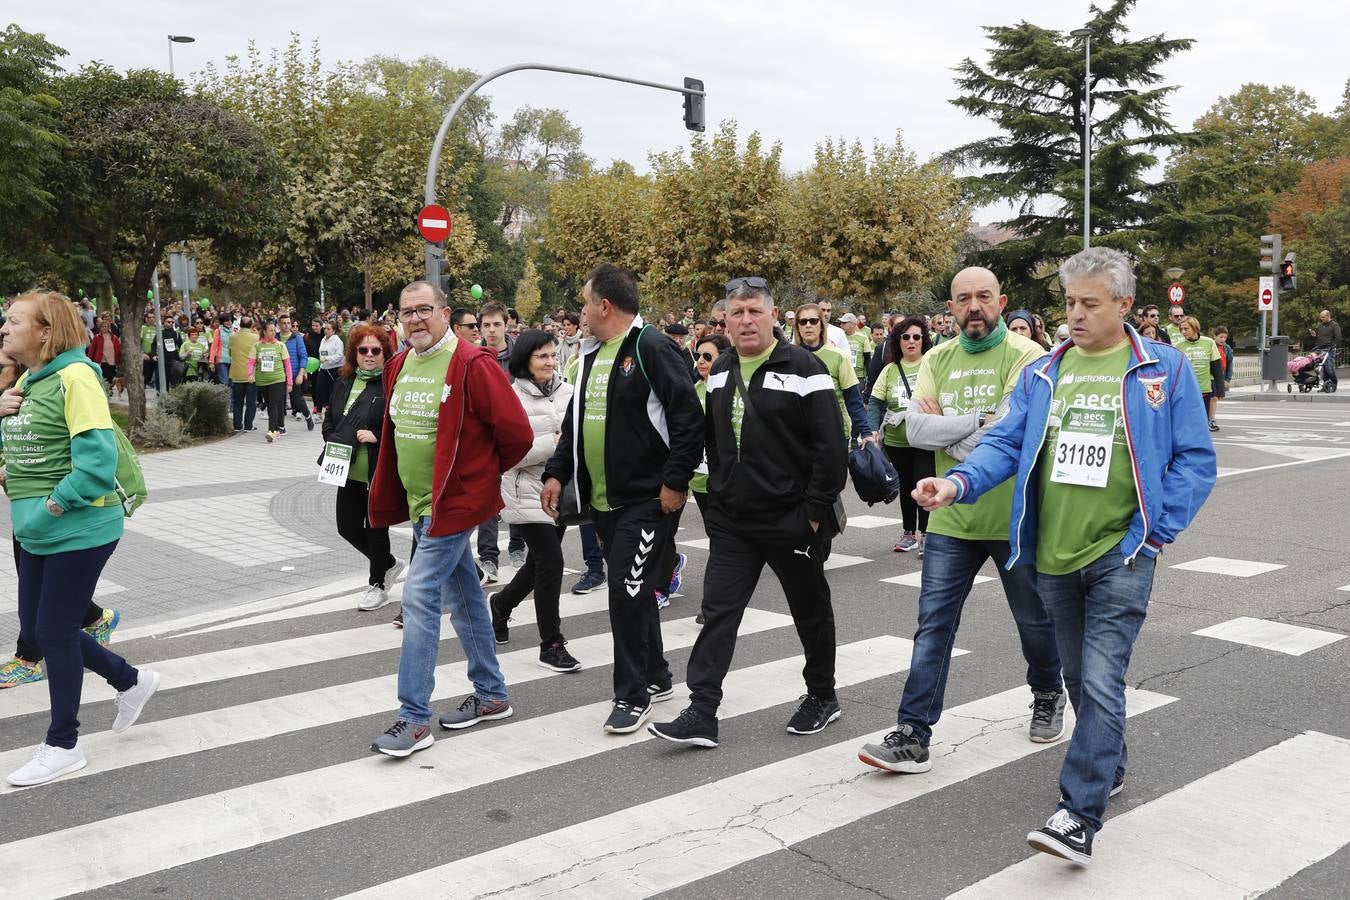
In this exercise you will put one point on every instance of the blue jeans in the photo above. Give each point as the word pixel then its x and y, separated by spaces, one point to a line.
pixel 243 403
pixel 1097 612
pixel 591 550
pixel 443 578
pixel 223 373
pixel 949 569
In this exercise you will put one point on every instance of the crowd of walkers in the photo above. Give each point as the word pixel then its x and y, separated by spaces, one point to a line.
pixel 1071 463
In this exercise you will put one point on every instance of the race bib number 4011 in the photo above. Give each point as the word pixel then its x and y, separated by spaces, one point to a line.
pixel 1083 448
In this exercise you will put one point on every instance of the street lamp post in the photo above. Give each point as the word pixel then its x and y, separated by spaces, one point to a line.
pixel 177 39
pixel 1086 35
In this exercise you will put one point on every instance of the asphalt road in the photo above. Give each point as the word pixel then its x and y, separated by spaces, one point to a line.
pixel 249 775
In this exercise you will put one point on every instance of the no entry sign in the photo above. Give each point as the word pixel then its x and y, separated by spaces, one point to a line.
pixel 433 222
pixel 1265 293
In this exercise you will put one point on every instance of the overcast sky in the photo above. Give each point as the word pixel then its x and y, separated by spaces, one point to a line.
pixel 794 71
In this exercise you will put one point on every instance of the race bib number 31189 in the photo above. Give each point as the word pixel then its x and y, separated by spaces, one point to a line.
pixel 1083 449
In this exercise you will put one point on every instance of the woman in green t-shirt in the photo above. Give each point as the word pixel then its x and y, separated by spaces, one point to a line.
pixel 1206 360
pixel 354 417
pixel 194 353
pixel 810 334
pixel 60 474
pixel 269 367
pixel 907 344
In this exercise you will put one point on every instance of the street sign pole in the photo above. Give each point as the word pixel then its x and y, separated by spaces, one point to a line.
pixel 159 345
pixel 433 253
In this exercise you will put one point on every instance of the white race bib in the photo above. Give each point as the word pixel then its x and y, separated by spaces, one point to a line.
pixel 1083 449
pixel 337 460
pixel 170 345
pixel 267 364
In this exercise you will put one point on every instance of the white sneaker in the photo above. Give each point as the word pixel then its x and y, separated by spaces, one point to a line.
pixel 131 702
pixel 375 597
pixel 48 764
pixel 394 574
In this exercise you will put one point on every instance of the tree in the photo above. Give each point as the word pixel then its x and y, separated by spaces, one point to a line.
pixel 599 217
pixel 713 216
pixel 145 166
pixel 863 227
pixel 1032 89
pixel 535 150
pixel 527 293
pixel 28 120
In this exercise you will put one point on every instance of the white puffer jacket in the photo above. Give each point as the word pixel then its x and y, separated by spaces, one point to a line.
pixel 522 485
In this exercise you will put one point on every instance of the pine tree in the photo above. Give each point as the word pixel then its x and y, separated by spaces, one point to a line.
pixel 1032 89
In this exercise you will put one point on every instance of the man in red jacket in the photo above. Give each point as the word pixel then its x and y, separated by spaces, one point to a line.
pixel 452 426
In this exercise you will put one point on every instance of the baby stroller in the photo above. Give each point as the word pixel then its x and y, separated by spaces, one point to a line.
pixel 1307 372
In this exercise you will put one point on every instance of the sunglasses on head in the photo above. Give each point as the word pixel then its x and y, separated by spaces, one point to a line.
pixel 753 282
pixel 707 357
pixel 370 351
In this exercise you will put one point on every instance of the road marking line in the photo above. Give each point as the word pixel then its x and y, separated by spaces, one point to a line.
pixel 874 522
pixel 668 843
pixel 151 840
pixel 255 659
pixel 1285 465
pixel 1235 833
pixel 840 561
pixel 1220 565
pixel 263 719
pixel 696 543
pixel 915 579
pixel 1294 640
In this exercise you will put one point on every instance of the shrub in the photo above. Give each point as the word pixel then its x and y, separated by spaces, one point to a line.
pixel 161 430
pixel 203 408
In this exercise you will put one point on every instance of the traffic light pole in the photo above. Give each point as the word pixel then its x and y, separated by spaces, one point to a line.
pixel 436 252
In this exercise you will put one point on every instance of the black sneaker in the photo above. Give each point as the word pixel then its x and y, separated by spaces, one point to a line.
pixel 899 751
pixel 699 620
pixel 398 619
pixel 1065 837
pixel 658 692
pixel 309 423
pixel 813 715
pixel 1047 716
pixel 626 718
pixel 499 627
pixel 556 657
pixel 589 582
pixel 689 727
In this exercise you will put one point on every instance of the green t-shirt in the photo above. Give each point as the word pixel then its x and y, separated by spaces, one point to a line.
pixel 414 408
pixel 1078 523
pixel 890 389
pixel 861 344
pixel 841 373
pixel 699 482
pixel 147 338
pixel 749 366
pixel 359 470
pixel 1201 352
pixel 964 383
pixel 193 352
pixel 1174 333
pixel 593 422
pixel 270 358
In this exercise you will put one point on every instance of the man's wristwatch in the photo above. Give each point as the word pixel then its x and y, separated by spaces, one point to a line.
pixel 983 416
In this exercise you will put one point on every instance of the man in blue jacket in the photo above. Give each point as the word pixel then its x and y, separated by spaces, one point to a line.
pixel 1118 462
pixel 295 346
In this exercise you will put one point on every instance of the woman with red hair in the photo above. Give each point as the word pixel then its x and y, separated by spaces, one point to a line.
pixel 354 417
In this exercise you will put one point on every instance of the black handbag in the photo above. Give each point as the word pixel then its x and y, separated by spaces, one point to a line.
pixel 569 511
pixel 874 478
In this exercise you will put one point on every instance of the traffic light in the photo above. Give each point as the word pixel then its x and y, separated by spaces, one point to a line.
pixel 443 272
pixel 693 105
pixel 1288 273
pixel 1271 244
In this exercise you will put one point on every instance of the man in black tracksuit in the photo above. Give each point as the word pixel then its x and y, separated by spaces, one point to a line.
pixel 777 461
pixel 631 439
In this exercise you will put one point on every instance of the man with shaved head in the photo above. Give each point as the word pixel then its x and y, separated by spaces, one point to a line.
pixel 962 389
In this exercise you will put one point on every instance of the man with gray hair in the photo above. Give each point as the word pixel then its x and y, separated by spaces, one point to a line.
pixel 1107 441
pixel 776 463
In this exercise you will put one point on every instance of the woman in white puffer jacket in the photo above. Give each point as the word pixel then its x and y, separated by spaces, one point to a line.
pixel 544 394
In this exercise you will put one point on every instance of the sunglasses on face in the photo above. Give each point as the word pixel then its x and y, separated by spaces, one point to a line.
pixel 754 282
pixel 472 325
pixel 805 321
pixel 911 337
pixel 370 351
pixel 707 357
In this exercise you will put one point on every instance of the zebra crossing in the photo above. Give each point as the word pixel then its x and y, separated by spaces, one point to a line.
pixel 249 775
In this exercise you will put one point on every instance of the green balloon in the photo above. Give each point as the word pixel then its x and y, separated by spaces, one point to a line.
pixel 476 292
pixel 149 295
pixel 312 366
pixel 204 303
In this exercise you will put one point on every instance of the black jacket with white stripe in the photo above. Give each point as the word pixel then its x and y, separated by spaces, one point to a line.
pixel 792 452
